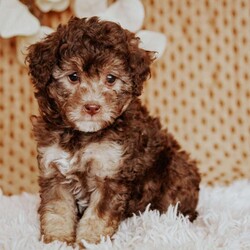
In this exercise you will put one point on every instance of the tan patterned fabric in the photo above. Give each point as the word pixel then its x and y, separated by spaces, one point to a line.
pixel 200 88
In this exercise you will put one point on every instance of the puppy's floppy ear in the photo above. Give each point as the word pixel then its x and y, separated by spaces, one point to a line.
pixel 43 56
pixel 139 62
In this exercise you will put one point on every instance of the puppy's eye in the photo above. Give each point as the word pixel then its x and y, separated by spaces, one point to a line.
pixel 74 78
pixel 110 79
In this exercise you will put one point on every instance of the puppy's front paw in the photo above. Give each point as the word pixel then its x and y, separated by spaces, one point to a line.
pixel 89 230
pixel 58 221
pixel 50 238
pixel 92 229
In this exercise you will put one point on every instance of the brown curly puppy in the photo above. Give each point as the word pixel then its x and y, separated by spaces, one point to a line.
pixel 101 156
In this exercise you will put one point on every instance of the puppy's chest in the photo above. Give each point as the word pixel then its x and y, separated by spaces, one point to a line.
pixel 95 159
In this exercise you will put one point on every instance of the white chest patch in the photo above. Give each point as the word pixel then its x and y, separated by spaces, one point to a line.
pixel 102 159
pixel 98 159
pixel 54 155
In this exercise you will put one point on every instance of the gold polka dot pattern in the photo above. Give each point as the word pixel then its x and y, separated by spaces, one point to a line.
pixel 200 89
pixel 201 86
pixel 17 148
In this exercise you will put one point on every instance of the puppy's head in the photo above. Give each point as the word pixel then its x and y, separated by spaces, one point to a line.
pixel 87 72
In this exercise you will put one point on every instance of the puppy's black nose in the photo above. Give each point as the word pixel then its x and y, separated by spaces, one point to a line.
pixel 92 108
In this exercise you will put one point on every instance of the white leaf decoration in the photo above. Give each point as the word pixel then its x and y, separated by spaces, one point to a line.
pixel 24 41
pixel 15 19
pixel 56 5
pixel 87 8
pixel 128 13
pixel 152 41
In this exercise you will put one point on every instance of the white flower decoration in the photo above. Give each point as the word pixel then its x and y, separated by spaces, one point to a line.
pixel 16 20
pixel 83 8
pixel 55 5
pixel 129 14
pixel 24 41
pixel 152 41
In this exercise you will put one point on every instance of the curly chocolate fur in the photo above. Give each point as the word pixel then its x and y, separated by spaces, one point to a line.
pixel 99 166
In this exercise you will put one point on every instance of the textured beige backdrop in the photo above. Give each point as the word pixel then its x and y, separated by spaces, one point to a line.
pixel 200 88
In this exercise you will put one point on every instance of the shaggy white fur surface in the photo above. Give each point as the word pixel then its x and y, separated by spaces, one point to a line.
pixel 223 223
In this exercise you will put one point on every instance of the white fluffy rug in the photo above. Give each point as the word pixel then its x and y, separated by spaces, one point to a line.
pixel 223 223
